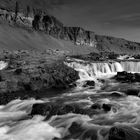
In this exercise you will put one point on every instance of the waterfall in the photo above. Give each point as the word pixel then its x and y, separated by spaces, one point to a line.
pixel 131 66
pixel 94 70
pixel 88 71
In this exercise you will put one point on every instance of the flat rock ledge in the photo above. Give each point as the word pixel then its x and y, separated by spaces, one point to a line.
pixel 29 72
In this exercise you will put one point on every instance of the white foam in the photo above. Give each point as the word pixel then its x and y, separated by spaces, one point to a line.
pixel 3 65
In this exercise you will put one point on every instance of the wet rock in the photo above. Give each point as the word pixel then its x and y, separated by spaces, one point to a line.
pixel 90 134
pixel 137 77
pixel 51 109
pixel 116 134
pixel 106 107
pixel 96 106
pixel 43 109
pixel 89 83
pixel 5 98
pixel 116 94
pixel 134 92
pixel 76 129
pixel 127 77
pixel 123 133
pixel 18 71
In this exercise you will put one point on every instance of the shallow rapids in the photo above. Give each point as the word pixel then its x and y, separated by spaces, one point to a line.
pixel 112 113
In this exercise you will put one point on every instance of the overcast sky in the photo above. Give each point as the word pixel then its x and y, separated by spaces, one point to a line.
pixel 119 18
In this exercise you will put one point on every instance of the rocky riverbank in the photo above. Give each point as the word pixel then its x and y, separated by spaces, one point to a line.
pixel 33 72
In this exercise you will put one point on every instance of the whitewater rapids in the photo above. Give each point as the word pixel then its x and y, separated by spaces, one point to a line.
pixel 16 123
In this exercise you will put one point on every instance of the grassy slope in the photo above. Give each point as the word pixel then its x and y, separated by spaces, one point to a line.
pixel 13 38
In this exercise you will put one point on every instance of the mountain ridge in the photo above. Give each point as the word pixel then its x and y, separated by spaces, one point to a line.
pixel 77 35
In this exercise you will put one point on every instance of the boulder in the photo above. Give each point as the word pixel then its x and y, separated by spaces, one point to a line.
pixel 51 109
pixel 76 130
pixel 116 94
pixel 127 77
pixel 116 134
pixel 96 106
pixel 106 107
pixel 134 92
pixel 123 133
pixel 137 77
pixel 89 83
pixel 18 71
pixel 90 134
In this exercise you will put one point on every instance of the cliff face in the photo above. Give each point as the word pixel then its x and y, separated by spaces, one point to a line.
pixel 77 35
pixel 55 28
pixel 80 36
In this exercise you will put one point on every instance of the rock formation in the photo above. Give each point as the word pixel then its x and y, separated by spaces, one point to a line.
pixel 34 72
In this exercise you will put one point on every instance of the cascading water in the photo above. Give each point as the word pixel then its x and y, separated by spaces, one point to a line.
pixel 88 71
pixel 3 65
pixel 131 66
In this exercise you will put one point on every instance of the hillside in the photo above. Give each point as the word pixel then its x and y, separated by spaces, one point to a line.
pixel 14 38
pixel 42 32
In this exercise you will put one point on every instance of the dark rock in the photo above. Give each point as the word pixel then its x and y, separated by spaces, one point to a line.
pixel 115 94
pixel 137 77
pixel 90 134
pixel 112 55
pixel 1 78
pixel 5 98
pixel 18 71
pixel 127 77
pixel 96 106
pixel 89 83
pixel 27 87
pixel 42 109
pixel 123 133
pixel 121 75
pixel 51 109
pixel 76 129
pixel 106 107
pixel 134 92
pixel 116 134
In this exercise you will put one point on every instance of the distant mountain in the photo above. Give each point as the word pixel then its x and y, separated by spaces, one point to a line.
pixel 76 37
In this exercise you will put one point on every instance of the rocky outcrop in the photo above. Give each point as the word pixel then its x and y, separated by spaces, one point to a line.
pixel 127 77
pixel 51 109
pixel 9 18
pixel 89 83
pixel 123 133
pixel 51 26
pixel 82 37
pixel 105 107
pixel 34 72
pixel 55 28
pixel 79 36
